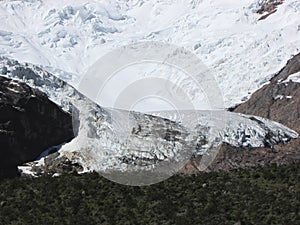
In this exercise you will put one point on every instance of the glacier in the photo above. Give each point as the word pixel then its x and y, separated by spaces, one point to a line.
pixel 67 37
pixel 114 141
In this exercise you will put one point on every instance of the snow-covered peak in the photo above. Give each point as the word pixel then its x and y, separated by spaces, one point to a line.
pixel 70 36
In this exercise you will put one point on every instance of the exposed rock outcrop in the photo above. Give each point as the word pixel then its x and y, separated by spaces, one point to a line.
pixel 268 7
pixel 278 101
pixel 29 124
pixel 230 157
pixel 53 164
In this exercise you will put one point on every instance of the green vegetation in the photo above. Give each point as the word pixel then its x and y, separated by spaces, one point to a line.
pixel 254 196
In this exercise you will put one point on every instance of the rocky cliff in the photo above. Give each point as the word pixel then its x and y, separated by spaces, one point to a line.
pixel 29 124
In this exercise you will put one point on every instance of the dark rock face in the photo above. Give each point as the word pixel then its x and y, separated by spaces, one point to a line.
pixel 55 164
pixel 29 124
pixel 277 101
pixel 292 66
pixel 269 7
pixel 229 157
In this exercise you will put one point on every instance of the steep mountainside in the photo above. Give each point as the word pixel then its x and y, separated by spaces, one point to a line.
pixel 243 43
pixel 29 124
pixel 111 139
pixel 279 100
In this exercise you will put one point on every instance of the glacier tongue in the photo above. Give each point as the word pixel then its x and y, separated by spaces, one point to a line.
pixel 139 149
pixel 236 129
pixel 113 141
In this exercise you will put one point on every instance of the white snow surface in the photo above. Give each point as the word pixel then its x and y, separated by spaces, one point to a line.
pixel 66 37
pixel 294 78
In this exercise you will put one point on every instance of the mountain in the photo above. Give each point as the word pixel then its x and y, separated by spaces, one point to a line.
pixel 241 44
pixel 117 140
pixel 29 124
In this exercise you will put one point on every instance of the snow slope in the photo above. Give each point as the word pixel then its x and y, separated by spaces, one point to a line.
pixel 66 37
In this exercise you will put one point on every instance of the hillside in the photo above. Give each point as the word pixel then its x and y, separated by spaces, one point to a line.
pixel 253 196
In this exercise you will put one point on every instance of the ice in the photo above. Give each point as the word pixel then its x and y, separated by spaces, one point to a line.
pixel 114 139
pixel 242 52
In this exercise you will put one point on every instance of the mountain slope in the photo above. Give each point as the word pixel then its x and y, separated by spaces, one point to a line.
pixel 279 100
pixel 117 140
pixel 242 52
pixel 29 124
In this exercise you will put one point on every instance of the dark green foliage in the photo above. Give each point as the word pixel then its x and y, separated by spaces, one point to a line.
pixel 255 196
